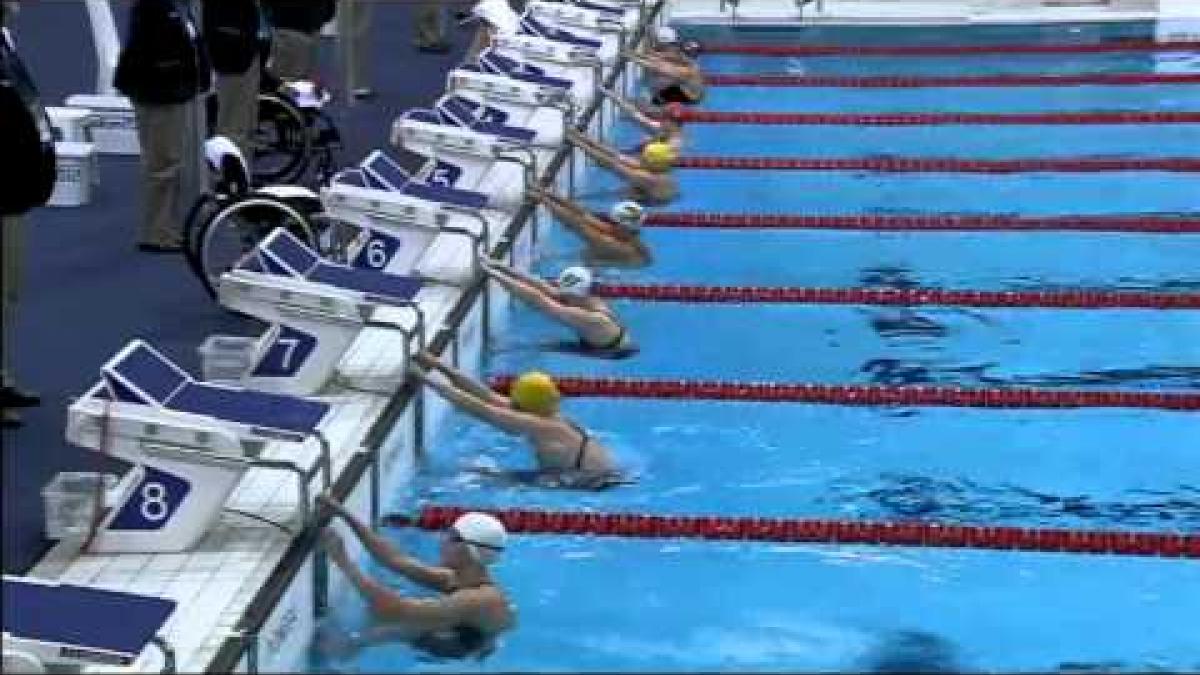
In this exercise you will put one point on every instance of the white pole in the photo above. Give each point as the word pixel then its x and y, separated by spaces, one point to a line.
pixel 107 42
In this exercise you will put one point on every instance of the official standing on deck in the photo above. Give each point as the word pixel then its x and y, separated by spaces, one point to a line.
pixel 238 39
pixel 296 41
pixel 164 70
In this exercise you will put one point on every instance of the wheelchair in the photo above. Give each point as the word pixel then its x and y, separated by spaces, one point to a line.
pixel 233 217
pixel 293 133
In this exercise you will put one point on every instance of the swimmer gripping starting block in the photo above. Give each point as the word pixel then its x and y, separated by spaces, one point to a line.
pixel 63 626
pixel 317 309
pixel 190 443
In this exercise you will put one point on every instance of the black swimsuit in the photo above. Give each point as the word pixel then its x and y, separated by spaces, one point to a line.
pixel 458 642
pixel 615 348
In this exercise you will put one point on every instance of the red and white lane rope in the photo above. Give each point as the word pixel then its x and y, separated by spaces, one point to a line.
pixel 929 223
pixel 950 50
pixel 856 394
pixel 918 534
pixel 919 81
pixel 898 296
pixel 936 119
pixel 942 164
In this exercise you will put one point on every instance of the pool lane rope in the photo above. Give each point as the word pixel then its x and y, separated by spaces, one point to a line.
pixel 950 50
pixel 936 119
pixel 858 394
pixel 777 80
pixel 877 533
pixel 927 223
pixel 889 164
pixel 1083 299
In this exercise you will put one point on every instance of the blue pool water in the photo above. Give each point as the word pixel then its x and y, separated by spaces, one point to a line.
pixel 620 605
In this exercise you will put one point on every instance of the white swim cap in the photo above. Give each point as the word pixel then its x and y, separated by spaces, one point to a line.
pixel 499 15
pixel 666 35
pixel 629 214
pixel 484 535
pixel 575 280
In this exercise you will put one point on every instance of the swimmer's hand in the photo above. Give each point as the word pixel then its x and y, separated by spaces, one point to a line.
pixel 335 507
pixel 334 547
pixel 424 359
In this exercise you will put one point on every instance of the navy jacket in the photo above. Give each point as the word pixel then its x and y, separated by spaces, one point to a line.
pixel 235 31
pixel 306 16
pixel 164 59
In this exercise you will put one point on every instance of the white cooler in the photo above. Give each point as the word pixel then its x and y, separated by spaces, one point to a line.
pixel 75 163
pixel 115 129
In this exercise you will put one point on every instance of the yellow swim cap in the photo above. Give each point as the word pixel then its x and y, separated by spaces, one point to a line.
pixel 658 156
pixel 535 392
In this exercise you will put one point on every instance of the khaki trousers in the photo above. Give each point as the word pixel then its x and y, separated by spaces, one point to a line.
pixel 430 24
pixel 12 242
pixel 237 109
pixel 354 43
pixel 171 137
pixel 294 55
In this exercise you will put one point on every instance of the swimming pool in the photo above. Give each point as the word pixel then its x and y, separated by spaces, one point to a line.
pixel 619 604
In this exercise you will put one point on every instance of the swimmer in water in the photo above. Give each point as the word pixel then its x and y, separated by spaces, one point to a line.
pixel 612 241
pixel 471 610
pixel 665 123
pixel 674 76
pixel 599 331
pixel 567 455
pixel 649 174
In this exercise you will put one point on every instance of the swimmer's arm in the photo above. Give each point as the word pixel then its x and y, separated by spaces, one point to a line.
pixel 421 615
pixel 500 415
pixel 460 380
pixel 434 578
pixel 572 316
pixel 633 112
pixel 595 235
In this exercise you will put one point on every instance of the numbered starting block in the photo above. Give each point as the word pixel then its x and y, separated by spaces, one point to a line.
pixel 603 28
pixel 53 627
pixel 553 81
pixel 318 309
pixel 189 443
pixel 498 160
pixel 413 216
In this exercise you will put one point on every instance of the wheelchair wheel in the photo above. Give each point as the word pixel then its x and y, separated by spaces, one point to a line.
pixel 282 142
pixel 193 228
pixel 237 228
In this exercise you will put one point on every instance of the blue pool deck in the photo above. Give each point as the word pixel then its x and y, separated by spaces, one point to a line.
pixel 86 291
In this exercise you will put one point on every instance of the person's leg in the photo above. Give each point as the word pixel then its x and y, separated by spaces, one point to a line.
pixel 431 27
pixel 10 241
pixel 194 179
pixel 354 45
pixel 160 133
pixel 237 115
pixel 293 54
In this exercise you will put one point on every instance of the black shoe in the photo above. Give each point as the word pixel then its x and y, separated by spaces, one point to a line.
pixel 434 47
pixel 159 248
pixel 12 397
pixel 11 420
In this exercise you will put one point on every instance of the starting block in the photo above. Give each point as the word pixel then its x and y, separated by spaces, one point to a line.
pixel 317 310
pixel 53 627
pixel 190 443
pixel 413 216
